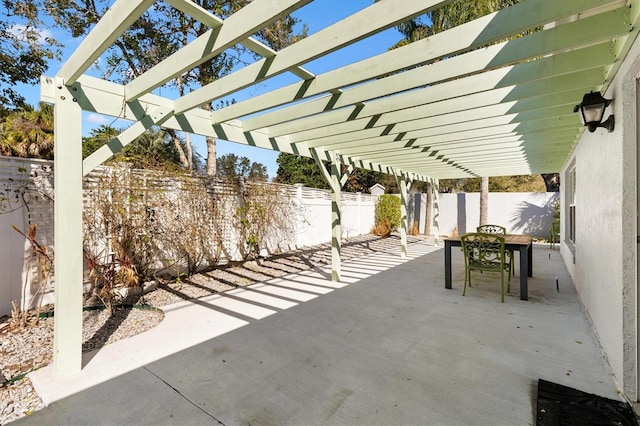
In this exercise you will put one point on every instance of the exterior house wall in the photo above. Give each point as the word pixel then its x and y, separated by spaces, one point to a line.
pixel 603 260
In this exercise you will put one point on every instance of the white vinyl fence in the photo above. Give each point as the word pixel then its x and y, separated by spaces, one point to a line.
pixel 520 212
pixel 26 193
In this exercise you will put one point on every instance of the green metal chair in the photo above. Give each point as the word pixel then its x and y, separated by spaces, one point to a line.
pixel 485 252
pixel 501 230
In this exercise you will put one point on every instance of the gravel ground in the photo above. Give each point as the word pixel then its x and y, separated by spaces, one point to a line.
pixel 27 349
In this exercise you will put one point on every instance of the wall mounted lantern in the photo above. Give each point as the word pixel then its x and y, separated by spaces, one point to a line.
pixel 592 110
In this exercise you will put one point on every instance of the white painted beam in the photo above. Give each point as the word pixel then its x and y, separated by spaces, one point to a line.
pixel 569 36
pixel 377 17
pixel 236 28
pixel 480 32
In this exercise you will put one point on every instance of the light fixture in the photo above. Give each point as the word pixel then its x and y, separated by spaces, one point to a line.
pixel 592 110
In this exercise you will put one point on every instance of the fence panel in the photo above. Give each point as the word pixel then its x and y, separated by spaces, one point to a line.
pixel 153 197
pixel 163 199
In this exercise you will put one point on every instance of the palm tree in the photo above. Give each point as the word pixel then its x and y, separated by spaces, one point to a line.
pixel 28 132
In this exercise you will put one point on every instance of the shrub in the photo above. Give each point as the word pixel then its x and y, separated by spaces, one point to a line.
pixel 388 212
pixel 264 218
pixel 381 229
pixel 414 229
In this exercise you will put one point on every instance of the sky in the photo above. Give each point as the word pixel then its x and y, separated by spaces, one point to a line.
pixel 316 15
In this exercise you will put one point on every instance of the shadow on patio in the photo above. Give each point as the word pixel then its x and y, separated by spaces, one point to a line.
pixel 390 345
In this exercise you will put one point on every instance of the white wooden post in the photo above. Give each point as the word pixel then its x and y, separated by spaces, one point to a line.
pixel 401 180
pixel 67 341
pixel 336 180
pixel 336 222
pixel 435 187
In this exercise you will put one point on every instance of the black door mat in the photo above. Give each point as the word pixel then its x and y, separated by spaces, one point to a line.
pixel 560 405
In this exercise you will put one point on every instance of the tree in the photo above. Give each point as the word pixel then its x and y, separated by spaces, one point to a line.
pixel 230 166
pixel 28 132
pixel 484 201
pixel 521 183
pixel 552 181
pixel 159 32
pixel 293 169
pixel 25 50
pixel 153 149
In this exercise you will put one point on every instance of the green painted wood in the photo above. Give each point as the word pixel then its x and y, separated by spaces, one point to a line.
pixel 68 262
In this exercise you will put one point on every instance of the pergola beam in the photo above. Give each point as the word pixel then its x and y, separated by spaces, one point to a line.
pixel 377 17
pixel 581 33
pixel 582 68
pixel 487 29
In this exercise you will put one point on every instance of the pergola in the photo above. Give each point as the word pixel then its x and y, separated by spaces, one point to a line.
pixel 472 101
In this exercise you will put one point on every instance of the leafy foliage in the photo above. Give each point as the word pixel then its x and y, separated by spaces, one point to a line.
pixel 158 33
pixel 28 132
pixel 446 17
pixel 230 166
pixel 154 149
pixel 26 47
pixel 265 215
pixel 388 215
pixel 524 183
pixel 293 169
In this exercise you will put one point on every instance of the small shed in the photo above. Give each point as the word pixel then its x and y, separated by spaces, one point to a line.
pixel 377 189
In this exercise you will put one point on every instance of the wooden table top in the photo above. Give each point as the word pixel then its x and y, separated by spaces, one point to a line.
pixel 522 239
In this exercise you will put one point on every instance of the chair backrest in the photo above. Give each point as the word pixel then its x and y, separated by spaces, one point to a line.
pixel 483 250
pixel 491 229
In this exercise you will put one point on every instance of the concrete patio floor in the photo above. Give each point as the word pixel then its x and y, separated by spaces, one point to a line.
pixel 389 345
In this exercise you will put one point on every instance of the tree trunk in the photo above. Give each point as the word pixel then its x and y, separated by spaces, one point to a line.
pixel 484 200
pixel 211 156
pixel 184 161
pixel 189 148
pixel 211 149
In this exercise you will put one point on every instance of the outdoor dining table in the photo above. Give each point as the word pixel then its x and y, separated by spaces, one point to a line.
pixel 520 242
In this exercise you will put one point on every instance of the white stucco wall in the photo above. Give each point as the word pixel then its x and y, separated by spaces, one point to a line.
pixel 603 260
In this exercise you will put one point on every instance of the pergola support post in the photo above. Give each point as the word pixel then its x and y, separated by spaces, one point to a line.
pixel 67 342
pixel 435 187
pixel 405 185
pixel 336 222
pixel 336 179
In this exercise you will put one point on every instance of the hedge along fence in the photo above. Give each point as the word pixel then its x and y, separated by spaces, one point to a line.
pixel 162 222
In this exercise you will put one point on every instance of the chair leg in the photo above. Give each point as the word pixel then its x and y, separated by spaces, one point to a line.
pixel 502 286
pixel 464 288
